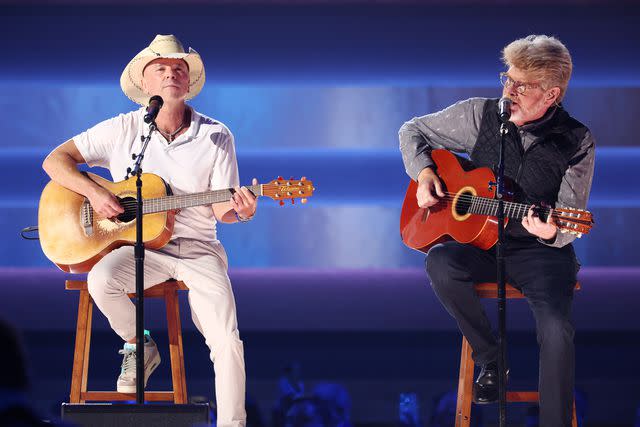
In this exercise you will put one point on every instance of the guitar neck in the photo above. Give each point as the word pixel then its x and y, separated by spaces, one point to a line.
pixel 485 206
pixel 181 201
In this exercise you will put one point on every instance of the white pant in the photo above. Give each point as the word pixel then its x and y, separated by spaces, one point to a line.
pixel 203 268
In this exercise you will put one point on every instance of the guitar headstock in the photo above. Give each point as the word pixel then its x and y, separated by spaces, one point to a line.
pixel 288 189
pixel 574 221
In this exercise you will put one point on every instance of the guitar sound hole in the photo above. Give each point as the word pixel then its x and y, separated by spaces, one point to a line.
pixel 463 203
pixel 129 205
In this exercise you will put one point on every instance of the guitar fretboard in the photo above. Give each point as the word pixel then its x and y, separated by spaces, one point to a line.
pixel 486 206
pixel 168 203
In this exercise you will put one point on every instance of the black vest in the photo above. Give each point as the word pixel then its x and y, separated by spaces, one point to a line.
pixel 536 174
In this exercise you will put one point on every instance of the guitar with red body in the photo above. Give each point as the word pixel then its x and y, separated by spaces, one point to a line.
pixel 468 211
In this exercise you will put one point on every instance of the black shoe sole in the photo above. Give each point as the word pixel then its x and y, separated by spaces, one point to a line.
pixel 492 397
pixel 485 402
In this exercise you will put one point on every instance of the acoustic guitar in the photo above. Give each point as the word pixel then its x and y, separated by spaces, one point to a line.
pixel 74 237
pixel 468 211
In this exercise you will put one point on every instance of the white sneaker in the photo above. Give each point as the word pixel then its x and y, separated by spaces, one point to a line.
pixel 127 379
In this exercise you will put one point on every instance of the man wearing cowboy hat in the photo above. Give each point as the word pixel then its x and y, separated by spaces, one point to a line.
pixel 192 153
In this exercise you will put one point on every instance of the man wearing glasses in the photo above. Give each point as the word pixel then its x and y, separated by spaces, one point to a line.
pixel 550 157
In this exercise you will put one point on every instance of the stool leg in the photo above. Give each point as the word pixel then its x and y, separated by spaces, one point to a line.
pixel 465 384
pixel 81 352
pixel 574 418
pixel 175 345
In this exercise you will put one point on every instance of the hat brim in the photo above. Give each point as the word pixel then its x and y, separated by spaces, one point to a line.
pixel 131 78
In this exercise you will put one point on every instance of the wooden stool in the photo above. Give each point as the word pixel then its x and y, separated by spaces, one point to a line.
pixel 465 379
pixel 79 394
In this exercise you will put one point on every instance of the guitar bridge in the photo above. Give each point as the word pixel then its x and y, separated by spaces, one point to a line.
pixel 86 218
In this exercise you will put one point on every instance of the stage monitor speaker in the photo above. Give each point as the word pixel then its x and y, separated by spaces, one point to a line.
pixel 156 415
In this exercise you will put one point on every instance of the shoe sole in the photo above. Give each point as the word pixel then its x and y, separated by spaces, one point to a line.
pixel 132 389
pixel 485 402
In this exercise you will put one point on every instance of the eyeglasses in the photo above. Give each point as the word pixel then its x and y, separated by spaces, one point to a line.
pixel 521 87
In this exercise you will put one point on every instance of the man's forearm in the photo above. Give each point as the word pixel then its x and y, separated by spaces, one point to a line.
pixel 63 169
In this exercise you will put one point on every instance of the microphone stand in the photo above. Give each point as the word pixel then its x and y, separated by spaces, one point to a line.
pixel 139 260
pixel 502 306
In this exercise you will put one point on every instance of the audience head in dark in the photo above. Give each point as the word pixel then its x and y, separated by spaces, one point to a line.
pixel 337 400
pixel 444 413
pixel 307 412
pixel 15 408
pixel 12 357
pixel 290 385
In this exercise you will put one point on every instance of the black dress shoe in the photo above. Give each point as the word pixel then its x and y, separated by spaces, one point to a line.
pixel 485 388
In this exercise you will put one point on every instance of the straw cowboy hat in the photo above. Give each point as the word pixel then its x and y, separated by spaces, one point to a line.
pixel 161 47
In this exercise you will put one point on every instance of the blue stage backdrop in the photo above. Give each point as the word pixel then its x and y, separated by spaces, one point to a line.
pixel 320 92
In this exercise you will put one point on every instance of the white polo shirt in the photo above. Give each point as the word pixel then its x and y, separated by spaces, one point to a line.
pixel 203 158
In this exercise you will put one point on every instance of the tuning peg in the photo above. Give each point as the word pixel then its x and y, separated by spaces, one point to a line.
pixel 293 201
pixel 304 178
pixel 303 200
pixel 281 203
pixel 280 178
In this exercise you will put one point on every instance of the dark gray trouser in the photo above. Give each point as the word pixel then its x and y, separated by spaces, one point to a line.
pixel 546 276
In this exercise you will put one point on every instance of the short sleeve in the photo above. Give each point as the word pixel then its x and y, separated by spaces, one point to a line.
pixel 225 168
pixel 97 143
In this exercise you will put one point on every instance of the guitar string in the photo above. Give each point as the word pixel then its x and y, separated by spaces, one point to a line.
pixel 158 202
pixel 486 204
pixel 222 195
pixel 165 203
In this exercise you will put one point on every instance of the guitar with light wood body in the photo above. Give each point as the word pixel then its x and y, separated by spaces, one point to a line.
pixel 74 237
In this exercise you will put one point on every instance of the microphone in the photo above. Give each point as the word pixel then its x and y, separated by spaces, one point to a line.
pixel 155 104
pixel 504 109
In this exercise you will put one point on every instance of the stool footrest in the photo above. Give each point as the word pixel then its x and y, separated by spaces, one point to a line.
pixel 105 396
pixel 523 396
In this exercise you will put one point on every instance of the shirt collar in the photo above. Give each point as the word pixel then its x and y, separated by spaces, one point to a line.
pixel 190 134
pixel 194 126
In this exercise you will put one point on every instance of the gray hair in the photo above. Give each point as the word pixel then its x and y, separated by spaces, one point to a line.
pixel 542 56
